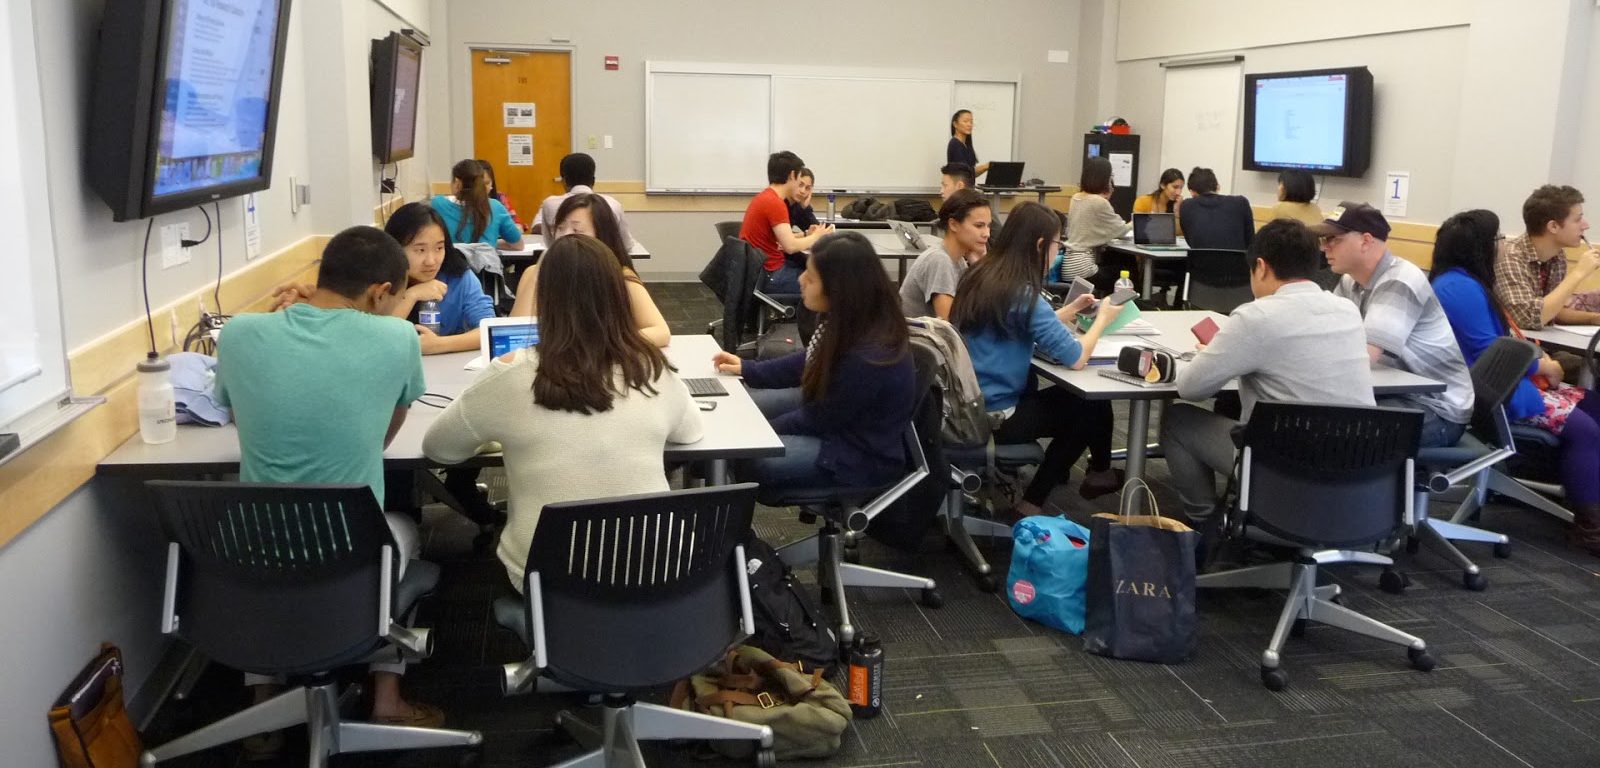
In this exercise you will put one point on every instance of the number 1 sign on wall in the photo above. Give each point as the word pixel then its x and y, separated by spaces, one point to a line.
pixel 1396 189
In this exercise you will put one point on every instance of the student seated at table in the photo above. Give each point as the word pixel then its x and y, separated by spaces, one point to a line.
pixel 586 214
pixel 437 272
pixel 1465 252
pixel 1405 326
pixel 1296 190
pixel 470 215
pixel 952 177
pixel 1212 220
pixel 583 414
pixel 1295 342
pixel 1091 224
pixel 1003 316
pixel 930 284
pixel 766 224
pixel 801 217
pixel 495 193
pixel 1167 197
pixel 841 405
pixel 318 390
pixel 577 175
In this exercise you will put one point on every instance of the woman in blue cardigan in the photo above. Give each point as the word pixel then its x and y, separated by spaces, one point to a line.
pixel 842 405
pixel 1464 253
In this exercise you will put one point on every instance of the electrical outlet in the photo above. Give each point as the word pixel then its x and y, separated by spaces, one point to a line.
pixel 172 251
pixel 608 142
pixel 593 143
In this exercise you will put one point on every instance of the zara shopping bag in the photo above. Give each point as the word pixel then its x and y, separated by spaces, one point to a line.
pixel 1140 584
pixel 1049 562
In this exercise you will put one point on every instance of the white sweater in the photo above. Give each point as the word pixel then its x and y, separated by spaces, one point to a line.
pixel 554 456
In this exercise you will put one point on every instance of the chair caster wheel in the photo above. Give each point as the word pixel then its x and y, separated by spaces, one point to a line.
pixel 1412 545
pixel 1393 582
pixel 1298 629
pixel 1474 581
pixel 931 598
pixel 1274 679
pixel 766 758
pixel 851 555
pixel 987 582
pixel 809 518
pixel 1502 550
pixel 1421 660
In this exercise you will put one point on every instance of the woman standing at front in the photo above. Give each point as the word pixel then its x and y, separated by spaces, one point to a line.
pixel 960 148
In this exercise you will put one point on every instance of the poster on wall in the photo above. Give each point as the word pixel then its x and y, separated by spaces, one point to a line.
pixel 1396 190
pixel 1121 168
pixel 519 149
pixel 518 114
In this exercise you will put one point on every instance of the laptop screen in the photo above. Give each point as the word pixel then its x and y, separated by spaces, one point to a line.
pixel 510 338
pixel 1154 229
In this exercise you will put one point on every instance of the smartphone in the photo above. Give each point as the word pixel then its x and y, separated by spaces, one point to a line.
pixel 1123 296
pixel 706 405
pixel 1204 330
pixel 1079 287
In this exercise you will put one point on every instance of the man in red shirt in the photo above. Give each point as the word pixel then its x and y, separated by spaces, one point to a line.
pixel 766 224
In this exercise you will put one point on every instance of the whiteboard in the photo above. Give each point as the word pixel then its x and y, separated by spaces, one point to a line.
pixel 698 146
pixel 709 126
pixel 1200 120
pixel 33 360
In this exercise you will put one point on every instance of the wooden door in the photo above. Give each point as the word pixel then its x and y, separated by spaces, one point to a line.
pixel 543 79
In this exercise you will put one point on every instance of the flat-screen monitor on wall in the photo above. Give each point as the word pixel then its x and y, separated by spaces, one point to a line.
pixel 396 76
pixel 1316 120
pixel 184 104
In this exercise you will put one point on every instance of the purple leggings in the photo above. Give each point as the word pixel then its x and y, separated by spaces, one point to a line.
pixel 1580 451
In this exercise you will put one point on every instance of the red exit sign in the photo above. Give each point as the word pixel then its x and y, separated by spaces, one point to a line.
pixel 613 63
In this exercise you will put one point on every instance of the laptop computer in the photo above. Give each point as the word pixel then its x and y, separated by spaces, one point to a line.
pixel 908 235
pixel 1004 174
pixel 1156 231
pixel 499 335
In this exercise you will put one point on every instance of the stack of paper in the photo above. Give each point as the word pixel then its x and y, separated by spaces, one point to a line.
pixel 1137 327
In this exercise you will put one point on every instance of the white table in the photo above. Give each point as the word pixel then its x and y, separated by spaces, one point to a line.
pixel 1175 335
pixel 735 430
pixel 1040 189
pixel 535 247
pixel 1576 341
pixel 890 246
pixel 1147 255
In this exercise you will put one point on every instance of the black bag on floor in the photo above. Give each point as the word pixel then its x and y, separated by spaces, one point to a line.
pixel 857 209
pixel 789 625
pixel 914 209
pixel 1140 593
pixel 778 340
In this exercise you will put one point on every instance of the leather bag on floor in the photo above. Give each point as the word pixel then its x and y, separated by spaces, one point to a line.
pixel 91 727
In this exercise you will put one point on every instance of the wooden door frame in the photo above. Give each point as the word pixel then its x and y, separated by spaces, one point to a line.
pixel 473 48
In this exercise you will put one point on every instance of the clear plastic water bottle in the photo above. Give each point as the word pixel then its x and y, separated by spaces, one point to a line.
pixel 866 676
pixel 428 314
pixel 1123 282
pixel 158 409
pixel 830 207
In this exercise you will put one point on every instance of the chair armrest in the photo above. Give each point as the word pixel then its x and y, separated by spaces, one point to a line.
pixel 858 520
pixel 1439 482
pixel 747 618
pixel 169 592
pixel 785 311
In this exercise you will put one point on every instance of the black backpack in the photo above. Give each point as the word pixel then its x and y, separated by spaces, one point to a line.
pixel 789 625
pixel 857 209
pixel 914 209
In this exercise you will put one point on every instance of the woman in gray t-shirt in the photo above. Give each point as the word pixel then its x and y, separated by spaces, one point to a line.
pixel 930 284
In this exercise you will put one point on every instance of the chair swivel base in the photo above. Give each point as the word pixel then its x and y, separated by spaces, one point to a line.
pixel 1441 535
pixel 825 550
pixel 959 529
pixel 615 743
pixel 317 707
pixel 1307 602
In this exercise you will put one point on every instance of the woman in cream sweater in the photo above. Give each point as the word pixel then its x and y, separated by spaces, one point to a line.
pixel 583 414
pixel 1091 224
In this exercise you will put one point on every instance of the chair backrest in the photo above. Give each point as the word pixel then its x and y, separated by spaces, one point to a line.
pixel 1219 280
pixel 274 578
pixel 727 229
pixel 1327 476
pixel 638 591
pixel 1495 376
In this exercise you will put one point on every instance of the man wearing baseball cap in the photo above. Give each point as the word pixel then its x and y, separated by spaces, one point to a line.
pixel 1406 328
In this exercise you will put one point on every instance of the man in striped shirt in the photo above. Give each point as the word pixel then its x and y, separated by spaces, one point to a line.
pixel 1405 326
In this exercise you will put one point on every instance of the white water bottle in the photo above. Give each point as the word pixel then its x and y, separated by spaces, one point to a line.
pixel 830 207
pixel 1123 282
pixel 428 315
pixel 158 411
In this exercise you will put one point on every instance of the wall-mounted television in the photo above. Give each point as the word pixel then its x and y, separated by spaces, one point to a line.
pixel 396 76
pixel 1314 120
pixel 184 105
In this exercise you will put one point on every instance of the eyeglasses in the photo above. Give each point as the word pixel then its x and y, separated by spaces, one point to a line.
pixel 1328 240
pixel 1498 239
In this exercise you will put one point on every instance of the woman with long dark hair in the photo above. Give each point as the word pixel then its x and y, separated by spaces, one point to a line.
pixel 581 415
pixel 1003 316
pixel 1165 198
pixel 470 214
pixel 1464 252
pixel 960 150
pixel 588 214
pixel 437 272
pixel 841 405
pixel 495 193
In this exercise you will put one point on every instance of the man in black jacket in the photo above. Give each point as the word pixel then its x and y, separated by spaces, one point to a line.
pixel 1211 220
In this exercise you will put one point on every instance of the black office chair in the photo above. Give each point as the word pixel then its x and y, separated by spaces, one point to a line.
pixel 291 580
pixel 1332 481
pixel 735 274
pixel 631 594
pixel 1219 280
pixel 727 229
pixel 1532 477
pixel 971 469
pixel 845 513
pixel 1495 376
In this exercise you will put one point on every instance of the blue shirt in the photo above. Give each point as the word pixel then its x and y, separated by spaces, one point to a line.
pixel 464 305
pixel 1002 358
pixel 500 227
pixel 1476 326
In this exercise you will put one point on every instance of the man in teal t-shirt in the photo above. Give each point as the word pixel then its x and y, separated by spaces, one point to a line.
pixel 320 388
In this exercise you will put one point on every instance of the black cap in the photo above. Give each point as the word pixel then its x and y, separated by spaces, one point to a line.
pixel 1353 217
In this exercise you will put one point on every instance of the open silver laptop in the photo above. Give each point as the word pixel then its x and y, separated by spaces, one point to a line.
pixel 1156 231
pixel 499 335
pixel 908 235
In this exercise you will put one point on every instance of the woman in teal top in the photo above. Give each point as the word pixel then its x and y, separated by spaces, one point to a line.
pixel 471 215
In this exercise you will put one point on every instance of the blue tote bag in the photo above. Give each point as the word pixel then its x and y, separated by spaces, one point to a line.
pixel 1049 568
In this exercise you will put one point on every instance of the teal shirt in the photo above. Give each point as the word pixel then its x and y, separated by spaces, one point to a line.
pixel 313 390
pixel 500 227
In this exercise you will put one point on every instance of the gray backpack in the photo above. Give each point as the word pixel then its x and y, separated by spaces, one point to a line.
pixel 965 424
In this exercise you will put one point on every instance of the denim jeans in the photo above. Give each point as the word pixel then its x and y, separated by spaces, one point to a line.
pixel 784 280
pixel 797 467
pixel 1437 432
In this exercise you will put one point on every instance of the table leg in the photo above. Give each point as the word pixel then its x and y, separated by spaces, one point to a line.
pixel 1041 197
pixel 1138 436
pixel 1149 271
pixel 717 472
pixel 902 279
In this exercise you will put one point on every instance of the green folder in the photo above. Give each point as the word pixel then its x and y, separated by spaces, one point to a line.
pixel 1129 313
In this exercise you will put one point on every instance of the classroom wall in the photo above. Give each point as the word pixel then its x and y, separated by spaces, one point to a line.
pixel 1586 164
